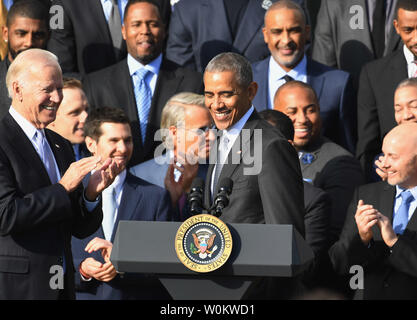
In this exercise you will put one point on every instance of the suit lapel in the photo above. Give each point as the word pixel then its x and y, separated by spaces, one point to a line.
pixel 61 159
pixel 24 147
pixel 314 77
pixel 385 206
pixel 261 98
pixel 251 22
pixel 128 203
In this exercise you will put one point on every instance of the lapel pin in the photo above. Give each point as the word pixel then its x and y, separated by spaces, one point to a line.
pixel 56 145
pixel 266 4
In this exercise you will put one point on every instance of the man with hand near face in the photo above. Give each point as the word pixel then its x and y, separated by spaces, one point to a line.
pixel 71 116
pixel 108 136
pixel 26 27
pixel 42 200
pixel 380 229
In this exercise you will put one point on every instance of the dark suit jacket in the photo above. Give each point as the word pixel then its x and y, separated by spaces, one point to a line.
pixel 275 195
pixel 140 201
pixel 377 85
pixel 336 98
pixel 199 30
pixel 84 44
pixel 37 219
pixel 338 45
pixel 387 275
pixel 5 101
pixel 113 87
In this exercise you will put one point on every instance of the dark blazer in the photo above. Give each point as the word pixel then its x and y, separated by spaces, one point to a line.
pixel 113 87
pixel 387 274
pixel 84 44
pixel 37 219
pixel 5 101
pixel 275 195
pixel 338 45
pixel 140 201
pixel 199 30
pixel 336 96
pixel 377 85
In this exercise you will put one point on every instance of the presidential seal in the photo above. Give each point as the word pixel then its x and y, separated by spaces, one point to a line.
pixel 203 243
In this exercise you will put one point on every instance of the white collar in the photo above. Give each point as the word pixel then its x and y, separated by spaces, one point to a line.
pixel 412 190
pixel 297 73
pixel 153 66
pixel 118 183
pixel 409 56
pixel 28 128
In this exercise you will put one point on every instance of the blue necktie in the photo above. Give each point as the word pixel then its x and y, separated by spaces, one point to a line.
pixel 109 211
pixel 46 155
pixel 143 96
pixel 401 217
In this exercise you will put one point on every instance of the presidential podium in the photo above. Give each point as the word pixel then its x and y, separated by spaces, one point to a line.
pixel 259 250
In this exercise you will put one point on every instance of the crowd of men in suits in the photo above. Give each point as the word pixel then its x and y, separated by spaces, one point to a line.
pixel 86 109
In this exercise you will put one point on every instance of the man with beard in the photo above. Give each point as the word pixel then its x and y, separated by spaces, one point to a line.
pixel 286 33
pixel 26 27
pixel 142 83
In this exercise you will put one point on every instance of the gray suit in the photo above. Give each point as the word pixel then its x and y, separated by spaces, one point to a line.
pixel 153 170
pixel 337 172
pixel 338 43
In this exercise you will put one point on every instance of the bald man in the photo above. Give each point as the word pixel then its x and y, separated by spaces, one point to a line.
pixel 42 200
pixel 380 231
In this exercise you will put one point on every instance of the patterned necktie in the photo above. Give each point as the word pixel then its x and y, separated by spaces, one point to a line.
pixel 46 155
pixel 401 216
pixel 109 211
pixel 143 96
pixel 115 27
pixel 287 78
pixel 221 160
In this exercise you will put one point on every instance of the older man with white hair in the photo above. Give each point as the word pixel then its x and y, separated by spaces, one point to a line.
pixel 42 200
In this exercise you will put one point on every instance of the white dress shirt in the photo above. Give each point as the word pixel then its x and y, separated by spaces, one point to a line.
pixel 153 66
pixel 411 65
pixel 398 200
pixel 275 74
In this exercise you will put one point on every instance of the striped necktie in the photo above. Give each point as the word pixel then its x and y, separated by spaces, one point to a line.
pixel 143 96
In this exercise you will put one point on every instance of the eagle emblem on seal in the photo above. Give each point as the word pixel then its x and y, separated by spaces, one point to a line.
pixel 203 242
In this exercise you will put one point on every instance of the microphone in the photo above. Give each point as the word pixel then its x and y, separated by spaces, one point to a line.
pixel 222 199
pixel 195 200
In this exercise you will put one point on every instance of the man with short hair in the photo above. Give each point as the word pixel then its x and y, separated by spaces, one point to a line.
pixel 379 233
pixel 71 116
pixel 108 136
pixel 286 32
pixel 323 163
pixel 41 196
pixel 377 84
pixel 26 27
pixel 142 83
pixel 185 127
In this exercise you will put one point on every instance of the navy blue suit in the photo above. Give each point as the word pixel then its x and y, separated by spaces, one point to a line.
pixel 140 201
pixel 199 30
pixel 336 96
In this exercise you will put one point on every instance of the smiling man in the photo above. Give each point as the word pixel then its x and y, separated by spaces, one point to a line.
pixel 379 233
pixel 26 27
pixel 323 163
pixel 286 32
pixel 108 136
pixel 142 83
pixel 71 116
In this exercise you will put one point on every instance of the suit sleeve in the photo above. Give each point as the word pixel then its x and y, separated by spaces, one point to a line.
pixel 179 44
pixel 403 255
pixel 281 185
pixel 324 49
pixel 348 116
pixel 165 210
pixel 62 42
pixel 369 140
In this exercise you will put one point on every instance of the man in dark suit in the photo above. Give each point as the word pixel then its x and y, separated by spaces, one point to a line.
pixel 267 188
pixel 108 135
pixel 352 33
pixel 26 27
pixel 86 42
pixel 42 200
pixel 71 116
pixel 323 163
pixel 121 85
pixel 286 33
pixel 377 84
pixel 380 232
pixel 201 29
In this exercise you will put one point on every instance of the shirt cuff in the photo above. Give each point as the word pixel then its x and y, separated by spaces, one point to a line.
pixel 91 205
